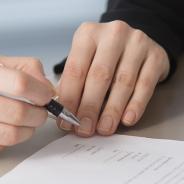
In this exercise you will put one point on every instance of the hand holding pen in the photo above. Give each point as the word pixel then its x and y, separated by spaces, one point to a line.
pixel 22 80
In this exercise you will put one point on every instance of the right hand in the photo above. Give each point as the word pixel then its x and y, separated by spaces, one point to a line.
pixel 22 77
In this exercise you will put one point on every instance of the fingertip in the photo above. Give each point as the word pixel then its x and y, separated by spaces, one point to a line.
pixel 86 128
pixel 129 118
pixel 84 134
pixel 127 124
pixel 104 133
pixel 105 126
pixel 63 125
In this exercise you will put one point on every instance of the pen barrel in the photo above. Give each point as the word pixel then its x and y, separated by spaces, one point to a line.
pixel 54 107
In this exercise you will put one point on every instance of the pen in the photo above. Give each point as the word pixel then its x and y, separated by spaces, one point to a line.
pixel 54 107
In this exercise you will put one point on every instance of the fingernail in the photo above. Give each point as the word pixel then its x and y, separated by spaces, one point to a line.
pixel 65 126
pixel 106 123
pixel 85 126
pixel 129 117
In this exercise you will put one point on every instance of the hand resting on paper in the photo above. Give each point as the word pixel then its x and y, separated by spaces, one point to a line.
pixel 110 76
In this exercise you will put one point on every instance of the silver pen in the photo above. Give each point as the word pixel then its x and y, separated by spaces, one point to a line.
pixel 54 107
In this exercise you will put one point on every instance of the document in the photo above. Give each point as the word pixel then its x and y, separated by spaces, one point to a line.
pixel 118 159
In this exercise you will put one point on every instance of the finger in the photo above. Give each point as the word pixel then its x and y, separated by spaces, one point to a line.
pixel 23 85
pixel 147 81
pixel 21 114
pixel 29 65
pixel 11 135
pixel 122 87
pixel 97 83
pixel 62 124
pixel 34 68
pixel 72 80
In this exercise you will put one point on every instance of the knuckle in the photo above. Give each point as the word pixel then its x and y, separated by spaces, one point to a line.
pixel 117 27
pixel 158 54
pixel 114 111
pixel 160 62
pixel 86 26
pixel 20 83
pixel 125 78
pixel 139 36
pixel 35 62
pixel 74 71
pixel 101 73
pixel 90 108
pixel 80 40
pixel 146 83
pixel 85 30
pixel 116 30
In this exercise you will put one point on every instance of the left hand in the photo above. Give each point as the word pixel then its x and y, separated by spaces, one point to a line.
pixel 116 59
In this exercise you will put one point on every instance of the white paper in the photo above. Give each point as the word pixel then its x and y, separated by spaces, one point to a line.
pixel 117 159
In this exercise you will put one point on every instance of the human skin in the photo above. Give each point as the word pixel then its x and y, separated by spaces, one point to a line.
pixel 22 77
pixel 110 76
pixel 115 59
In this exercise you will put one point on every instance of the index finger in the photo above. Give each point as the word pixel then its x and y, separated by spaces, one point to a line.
pixel 20 84
pixel 73 78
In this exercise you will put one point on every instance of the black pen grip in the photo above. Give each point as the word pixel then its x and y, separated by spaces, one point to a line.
pixel 54 107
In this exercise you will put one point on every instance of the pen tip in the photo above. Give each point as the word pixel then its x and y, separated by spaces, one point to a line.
pixel 76 120
pixel 71 118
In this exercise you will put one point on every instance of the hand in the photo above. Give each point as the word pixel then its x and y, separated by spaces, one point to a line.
pixel 111 59
pixel 22 77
